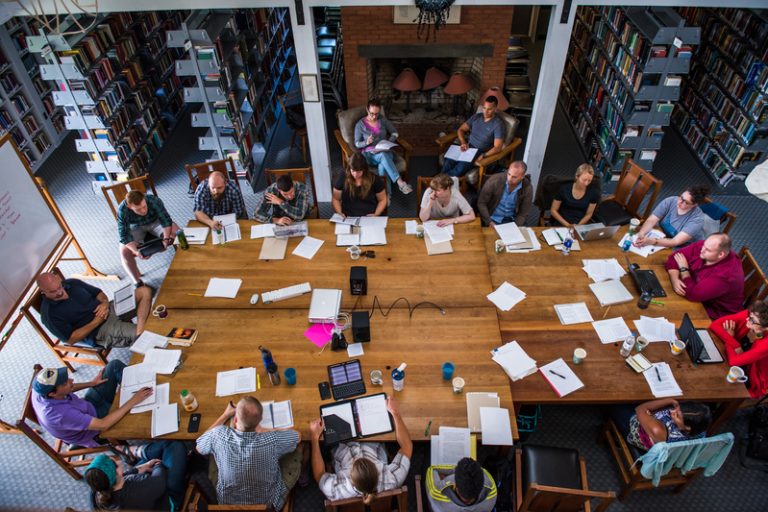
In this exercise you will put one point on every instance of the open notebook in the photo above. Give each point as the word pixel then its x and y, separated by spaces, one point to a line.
pixel 359 417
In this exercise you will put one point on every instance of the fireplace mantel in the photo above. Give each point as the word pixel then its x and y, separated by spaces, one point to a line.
pixel 428 51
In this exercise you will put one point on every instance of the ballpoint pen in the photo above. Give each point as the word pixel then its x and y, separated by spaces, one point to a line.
pixel 658 375
pixel 426 430
pixel 553 372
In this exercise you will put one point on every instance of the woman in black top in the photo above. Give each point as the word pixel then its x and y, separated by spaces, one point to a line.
pixel 574 204
pixel 358 192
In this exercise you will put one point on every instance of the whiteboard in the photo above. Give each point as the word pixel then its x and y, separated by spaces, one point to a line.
pixel 29 231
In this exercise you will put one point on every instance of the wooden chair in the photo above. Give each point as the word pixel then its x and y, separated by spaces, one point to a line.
pixel 195 501
pixel 120 189
pixel 727 219
pixel 345 136
pixel 476 175
pixel 635 183
pixel 755 281
pixel 548 187
pixel 67 354
pixel 68 458
pixel 422 184
pixel 554 480
pixel 387 501
pixel 7 428
pixel 302 175
pixel 294 118
pixel 199 172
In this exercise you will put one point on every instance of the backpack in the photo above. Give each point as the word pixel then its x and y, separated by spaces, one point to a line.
pixel 757 439
pixel 501 470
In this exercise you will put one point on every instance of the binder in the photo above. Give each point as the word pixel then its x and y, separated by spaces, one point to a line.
pixel 356 418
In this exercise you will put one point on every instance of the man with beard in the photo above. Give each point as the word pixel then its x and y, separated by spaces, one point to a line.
pixel 218 196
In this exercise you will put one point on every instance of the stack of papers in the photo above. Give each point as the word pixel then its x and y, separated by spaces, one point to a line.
pixel 506 296
pixel 648 249
pixel 438 234
pixel 496 428
pixel 230 230
pixel 513 359
pixel 655 329
pixel 575 313
pixel 475 401
pixel 226 288
pixel 308 247
pixel 603 270
pixel 162 397
pixel 364 235
pixel 531 243
pixel 612 329
pixel 135 377
pixel 410 227
pixel 277 415
pixel 165 419
pixel 661 381
pixel 610 292
pixel 561 377
pixel 148 340
pixel 291 230
pixel 195 236
pixel 555 236
pixel 162 361
pixel 235 382
pixel 262 230
pixel 450 446
pixel 509 233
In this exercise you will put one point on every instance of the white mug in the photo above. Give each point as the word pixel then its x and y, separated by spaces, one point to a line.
pixel 458 385
pixel 640 343
pixel 677 347
pixel 736 374
pixel 354 252
pixel 500 247
pixel 579 355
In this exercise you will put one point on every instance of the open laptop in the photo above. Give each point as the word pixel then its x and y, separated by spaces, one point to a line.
pixel 346 379
pixel 699 344
pixel 596 231
pixel 645 280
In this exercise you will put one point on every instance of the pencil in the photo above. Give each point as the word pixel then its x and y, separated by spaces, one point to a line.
pixel 258 381
pixel 195 294
pixel 429 426
pixel 606 311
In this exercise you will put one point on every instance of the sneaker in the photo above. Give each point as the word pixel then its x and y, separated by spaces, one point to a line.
pixel 405 188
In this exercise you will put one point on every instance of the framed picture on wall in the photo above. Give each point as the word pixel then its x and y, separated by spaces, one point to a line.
pixel 309 90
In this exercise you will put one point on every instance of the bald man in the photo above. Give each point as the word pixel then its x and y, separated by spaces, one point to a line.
pixel 247 456
pixel 218 195
pixel 75 311
pixel 708 271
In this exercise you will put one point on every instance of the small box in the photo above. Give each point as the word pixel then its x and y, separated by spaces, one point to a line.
pixel 361 327
pixel 358 280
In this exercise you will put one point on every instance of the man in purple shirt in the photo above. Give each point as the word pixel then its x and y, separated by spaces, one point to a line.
pixel 708 271
pixel 74 420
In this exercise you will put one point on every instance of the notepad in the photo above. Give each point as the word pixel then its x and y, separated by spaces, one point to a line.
pixel 509 233
pixel 148 340
pixel 575 313
pixel 611 292
pixel 273 249
pixel 308 247
pixel 230 229
pixel 124 299
pixel 455 153
pixel 262 230
pixel 496 427
pixel 234 382
pixel 475 401
pixel 224 288
pixel 410 227
pixel 554 236
pixel 165 419
pixel 136 377
pixel 561 377
pixel 277 414
pixel 612 330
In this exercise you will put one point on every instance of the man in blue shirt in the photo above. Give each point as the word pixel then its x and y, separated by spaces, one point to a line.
pixel 218 196
pixel 486 134
pixel 506 197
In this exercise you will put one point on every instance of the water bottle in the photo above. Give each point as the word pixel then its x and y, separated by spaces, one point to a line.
pixel 567 243
pixel 220 234
pixel 188 401
pixel 644 300
pixel 626 244
pixel 627 346
pixel 273 374
pixel 182 240
pixel 398 377
pixel 266 357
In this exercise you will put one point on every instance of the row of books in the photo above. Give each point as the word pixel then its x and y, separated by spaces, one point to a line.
pixel 30 124
pixel 41 142
pixel 6 121
pixel 9 83
pixel 20 103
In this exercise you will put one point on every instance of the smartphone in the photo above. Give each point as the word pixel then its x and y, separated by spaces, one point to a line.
pixel 325 390
pixel 194 423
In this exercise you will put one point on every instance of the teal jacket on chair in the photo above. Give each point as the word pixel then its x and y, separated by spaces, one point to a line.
pixel 708 453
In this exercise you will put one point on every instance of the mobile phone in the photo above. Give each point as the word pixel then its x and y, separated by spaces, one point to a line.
pixel 325 390
pixel 194 423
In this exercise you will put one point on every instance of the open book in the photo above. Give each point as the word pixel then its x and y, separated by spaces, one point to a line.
pixel 277 415
pixel 359 417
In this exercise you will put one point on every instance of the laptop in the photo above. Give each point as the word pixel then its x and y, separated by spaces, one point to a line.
pixel 346 379
pixel 150 247
pixel 699 344
pixel 645 280
pixel 325 305
pixel 596 231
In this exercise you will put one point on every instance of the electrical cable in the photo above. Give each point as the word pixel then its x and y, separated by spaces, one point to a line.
pixel 411 309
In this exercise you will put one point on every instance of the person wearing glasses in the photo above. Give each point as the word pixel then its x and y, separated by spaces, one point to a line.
pixel 358 192
pixel 371 130
pixel 680 218
pixel 745 335
pixel 486 134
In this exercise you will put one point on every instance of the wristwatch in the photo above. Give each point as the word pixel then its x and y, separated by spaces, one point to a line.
pixel 683 269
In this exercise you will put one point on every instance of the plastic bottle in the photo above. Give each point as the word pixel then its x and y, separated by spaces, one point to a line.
pixel 273 374
pixel 644 300
pixel 182 240
pixel 188 401
pixel 398 377
pixel 627 244
pixel 627 346
pixel 266 357
pixel 567 243
pixel 220 234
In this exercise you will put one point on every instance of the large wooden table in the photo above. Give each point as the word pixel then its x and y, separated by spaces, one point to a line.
pixel 230 331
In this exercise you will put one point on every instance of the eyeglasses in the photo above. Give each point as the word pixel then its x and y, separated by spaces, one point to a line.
pixel 685 201
pixel 373 114
pixel 751 320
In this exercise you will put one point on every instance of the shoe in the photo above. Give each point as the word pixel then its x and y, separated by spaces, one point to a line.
pixel 139 283
pixel 405 188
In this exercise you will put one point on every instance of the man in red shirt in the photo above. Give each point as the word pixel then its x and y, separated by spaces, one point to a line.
pixel 708 271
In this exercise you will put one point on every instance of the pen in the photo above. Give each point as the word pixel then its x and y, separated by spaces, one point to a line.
pixel 258 381
pixel 657 302
pixel 658 376
pixel 558 234
pixel 553 372
pixel 426 430
pixel 195 294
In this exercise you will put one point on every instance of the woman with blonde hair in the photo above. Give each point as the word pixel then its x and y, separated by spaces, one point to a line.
pixel 360 470
pixel 442 200
pixel 575 203
pixel 358 192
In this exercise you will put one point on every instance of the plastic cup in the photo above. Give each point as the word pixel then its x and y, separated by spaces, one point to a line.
pixel 448 370
pixel 500 246
pixel 640 343
pixel 579 355
pixel 677 347
pixel 419 231
pixel 736 374
pixel 290 376
pixel 377 378
pixel 458 385
pixel 634 226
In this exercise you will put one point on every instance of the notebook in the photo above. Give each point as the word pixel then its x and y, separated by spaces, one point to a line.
pixel 357 418
pixel 561 377
pixel 610 292
pixel 165 419
pixel 273 249
pixel 437 248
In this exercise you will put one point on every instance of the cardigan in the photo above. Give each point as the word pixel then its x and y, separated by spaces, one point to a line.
pixel 708 453
pixel 755 359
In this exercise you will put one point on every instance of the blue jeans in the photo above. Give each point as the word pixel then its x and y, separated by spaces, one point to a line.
pixel 173 454
pixel 103 395
pixel 385 161
pixel 456 168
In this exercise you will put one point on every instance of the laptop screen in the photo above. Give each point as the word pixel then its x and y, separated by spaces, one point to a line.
pixel 345 372
pixel 691 338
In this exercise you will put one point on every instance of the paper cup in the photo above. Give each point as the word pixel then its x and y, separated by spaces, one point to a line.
pixel 736 374
pixel 676 347
pixel 640 343
pixel 579 355
pixel 458 385
pixel 499 246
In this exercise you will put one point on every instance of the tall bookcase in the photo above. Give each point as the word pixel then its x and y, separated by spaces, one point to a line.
pixel 240 62
pixel 26 108
pixel 723 110
pixel 117 88
pixel 621 79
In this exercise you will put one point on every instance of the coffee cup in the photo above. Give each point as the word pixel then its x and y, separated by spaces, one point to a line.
pixel 354 252
pixel 160 311
pixel 579 355
pixel 420 231
pixel 677 347
pixel 736 374
pixel 458 385
pixel 499 246
pixel 640 343
pixel 634 226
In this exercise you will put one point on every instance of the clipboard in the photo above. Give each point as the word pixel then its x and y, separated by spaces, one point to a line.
pixel 343 419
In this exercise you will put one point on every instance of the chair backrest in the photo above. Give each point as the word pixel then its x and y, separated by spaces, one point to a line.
pixel 634 184
pixel 347 119
pixel 543 498
pixel 382 502
pixel 708 453
pixel 114 194
pixel 423 184
pixel 755 282
pixel 35 301
pixel 724 218
pixel 510 125
pixel 548 187
pixel 302 175
pixel 199 172
pixel 195 501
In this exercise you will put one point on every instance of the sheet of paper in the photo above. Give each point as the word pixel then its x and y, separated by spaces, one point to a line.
pixel 574 313
pixel 372 235
pixel 495 426
pixel 319 334
pixel 165 419
pixel 385 145
pixel 410 227
pixel 438 234
pixel 373 222
pixel 509 233
pixel 195 236
pixel 162 397
pixel 475 401
pixel 561 377
pixel 162 361
pixel 342 229
pixel 433 224
pixel 612 329
pixel 343 411
pixel 655 329
pixel 262 230
pixel 648 249
pixel 455 153
pixel 603 270
pixel 661 381
pixel 352 221
pixel 555 236
pixel 234 382
pixel 347 240
pixel 273 249
pixel 135 377
pixel 225 288
pixel 308 247
pixel 372 415
pixel 355 350
pixel 506 296
pixel 454 444
pixel 125 300
pixel 148 340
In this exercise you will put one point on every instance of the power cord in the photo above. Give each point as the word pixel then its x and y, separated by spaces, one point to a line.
pixel 411 309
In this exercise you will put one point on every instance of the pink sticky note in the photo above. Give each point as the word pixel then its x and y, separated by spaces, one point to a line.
pixel 319 334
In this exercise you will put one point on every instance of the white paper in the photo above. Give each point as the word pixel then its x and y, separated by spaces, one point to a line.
pixel 603 270
pixel 509 233
pixel 308 247
pixel 661 381
pixel 225 288
pixel 342 229
pixel 453 444
pixel 385 145
pixel 195 236
pixel 555 236
pixel 135 377
pixel 355 350
pixel 277 415
pixel 230 231
pixel 513 359
pixel 347 240
pixel 438 234
pixel 655 329
pixel 162 361
pixel 372 235
pixel 612 329
pixel 575 313
pixel 372 415
pixel 165 419
pixel 476 400
pixel 410 227
pixel 124 299
pixel 262 230
pixel 610 292
pixel 235 382
pixel 343 411
pixel 340 219
pixel 495 426
pixel 648 249
pixel 148 340
pixel 162 397
pixel 561 377
pixel 433 223
pixel 506 296
pixel 373 222
pixel 455 153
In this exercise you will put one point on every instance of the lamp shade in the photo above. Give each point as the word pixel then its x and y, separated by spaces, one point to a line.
pixel 459 83
pixel 434 78
pixel 495 91
pixel 407 81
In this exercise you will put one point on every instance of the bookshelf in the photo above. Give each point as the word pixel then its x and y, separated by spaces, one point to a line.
pixel 239 61
pixel 723 109
pixel 116 88
pixel 621 80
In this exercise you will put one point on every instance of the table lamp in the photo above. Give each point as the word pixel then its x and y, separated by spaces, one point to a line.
pixel 433 79
pixel 407 82
pixel 495 91
pixel 458 85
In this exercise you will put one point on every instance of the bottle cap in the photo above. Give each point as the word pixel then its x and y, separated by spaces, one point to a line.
pixel 184 392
